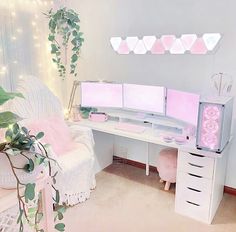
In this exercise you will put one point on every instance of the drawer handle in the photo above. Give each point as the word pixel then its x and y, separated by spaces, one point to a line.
pixel 195 190
pixel 194 175
pixel 195 165
pixel 196 155
pixel 192 203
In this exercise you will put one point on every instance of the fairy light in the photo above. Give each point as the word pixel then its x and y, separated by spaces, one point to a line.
pixel 13 38
pixel 33 23
pixel 19 30
pixel 21 77
pixel 13 14
pixel 15 62
pixel 3 70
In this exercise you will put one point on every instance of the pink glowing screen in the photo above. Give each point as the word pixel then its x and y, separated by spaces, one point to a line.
pixel 144 98
pixel 182 106
pixel 101 94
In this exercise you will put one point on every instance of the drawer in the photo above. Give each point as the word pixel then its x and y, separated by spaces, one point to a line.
pixel 190 209
pixel 196 184
pixel 196 164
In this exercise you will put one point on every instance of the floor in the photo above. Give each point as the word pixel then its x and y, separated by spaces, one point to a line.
pixel 127 200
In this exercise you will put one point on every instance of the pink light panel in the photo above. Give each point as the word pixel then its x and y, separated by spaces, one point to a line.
pixel 95 94
pixel 144 98
pixel 187 43
pixel 210 128
pixel 178 103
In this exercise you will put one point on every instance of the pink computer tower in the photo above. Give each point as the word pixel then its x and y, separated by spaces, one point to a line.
pixel 214 123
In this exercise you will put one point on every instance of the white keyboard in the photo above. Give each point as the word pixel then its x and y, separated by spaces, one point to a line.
pixel 130 127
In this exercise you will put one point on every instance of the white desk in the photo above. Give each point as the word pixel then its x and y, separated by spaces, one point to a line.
pixel 200 174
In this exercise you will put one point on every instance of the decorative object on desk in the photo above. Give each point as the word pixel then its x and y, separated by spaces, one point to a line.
pixel 167 166
pixel 222 82
pixel 168 138
pixel 98 116
pixel 214 123
pixel 21 155
pixel 180 140
pixel 85 111
pixel 65 23
pixel 75 114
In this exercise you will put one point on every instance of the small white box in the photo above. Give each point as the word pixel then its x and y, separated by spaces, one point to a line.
pixel 214 123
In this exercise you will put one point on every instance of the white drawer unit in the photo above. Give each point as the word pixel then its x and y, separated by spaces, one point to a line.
pixel 196 164
pixel 199 185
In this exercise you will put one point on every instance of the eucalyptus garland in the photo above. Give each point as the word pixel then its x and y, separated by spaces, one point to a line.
pixel 64 30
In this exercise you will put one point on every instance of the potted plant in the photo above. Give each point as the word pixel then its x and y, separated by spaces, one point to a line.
pixel 22 156
pixel 64 29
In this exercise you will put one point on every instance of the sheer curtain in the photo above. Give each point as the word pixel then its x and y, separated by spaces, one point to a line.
pixel 24 48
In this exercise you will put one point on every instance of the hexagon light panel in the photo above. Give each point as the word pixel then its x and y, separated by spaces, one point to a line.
pixel 167 44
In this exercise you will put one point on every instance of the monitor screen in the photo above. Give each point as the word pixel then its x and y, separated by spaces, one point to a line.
pixel 182 106
pixel 98 94
pixel 150 99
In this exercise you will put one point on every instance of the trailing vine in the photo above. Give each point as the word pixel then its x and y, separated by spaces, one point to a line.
pixel 64 28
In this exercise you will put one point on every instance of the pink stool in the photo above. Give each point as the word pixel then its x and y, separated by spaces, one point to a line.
pixel 166 166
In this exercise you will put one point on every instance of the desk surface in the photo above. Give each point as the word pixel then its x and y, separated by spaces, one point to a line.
pixel 149 135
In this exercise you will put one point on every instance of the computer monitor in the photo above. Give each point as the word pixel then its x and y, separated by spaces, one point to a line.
pixel 144 98
pixel 182 106
pixel 100 94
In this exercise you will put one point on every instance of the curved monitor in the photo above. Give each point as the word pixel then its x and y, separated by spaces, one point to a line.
pixel 98 94
pixel 182 106
pixel 146 98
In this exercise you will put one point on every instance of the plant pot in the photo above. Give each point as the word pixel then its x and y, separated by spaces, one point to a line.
pixel 7 178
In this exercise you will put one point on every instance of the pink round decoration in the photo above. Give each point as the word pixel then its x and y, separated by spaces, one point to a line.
pixel 167 164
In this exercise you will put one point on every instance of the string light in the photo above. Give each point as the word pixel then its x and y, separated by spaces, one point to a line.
pixel 3 70
pixel 13 14
pixel 19 30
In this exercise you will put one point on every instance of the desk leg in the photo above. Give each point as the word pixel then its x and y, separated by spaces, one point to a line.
pixel 147 160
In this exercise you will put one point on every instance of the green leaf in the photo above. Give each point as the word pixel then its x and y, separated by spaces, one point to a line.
pixel 29 192
pixel 20 215
pixel 25 130
pixel 60 216
pixel 39 135
pixel 60 227
pixel 30 166
pixel 57 197
pixel 5 96
pixel 7 118
pixel 51 37
pixel 54 48
pixel 74 58
pixel 15 128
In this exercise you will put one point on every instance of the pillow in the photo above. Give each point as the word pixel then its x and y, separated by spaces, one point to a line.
pixel 56 133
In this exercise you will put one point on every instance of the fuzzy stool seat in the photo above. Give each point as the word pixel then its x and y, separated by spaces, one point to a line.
pixel 167 165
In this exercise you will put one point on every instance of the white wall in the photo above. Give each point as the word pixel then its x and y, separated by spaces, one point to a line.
pixel 105 18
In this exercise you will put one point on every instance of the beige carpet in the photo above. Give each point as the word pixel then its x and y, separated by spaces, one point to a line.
pixel 127 200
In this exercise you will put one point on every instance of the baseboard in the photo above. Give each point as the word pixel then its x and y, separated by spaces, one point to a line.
pixel 134 163
pixel 230 190
pixel 137 164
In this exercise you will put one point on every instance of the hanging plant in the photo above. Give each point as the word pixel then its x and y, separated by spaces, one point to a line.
pixel 64 30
